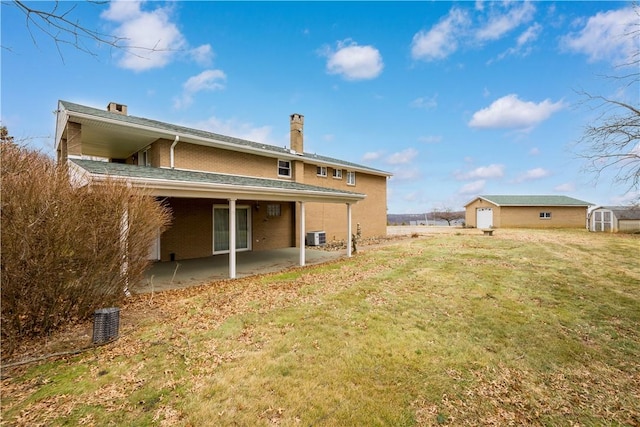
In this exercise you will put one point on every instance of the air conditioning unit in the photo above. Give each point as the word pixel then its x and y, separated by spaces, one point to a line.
pixel 316 238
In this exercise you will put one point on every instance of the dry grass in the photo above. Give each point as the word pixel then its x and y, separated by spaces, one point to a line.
pixel 522 328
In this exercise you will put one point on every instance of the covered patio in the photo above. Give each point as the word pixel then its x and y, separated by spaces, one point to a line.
pixel 229 190
pixel 191 272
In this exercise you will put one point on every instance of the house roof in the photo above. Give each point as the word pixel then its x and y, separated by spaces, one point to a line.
pixel 532 200
pixel 134 133
pixel 184 183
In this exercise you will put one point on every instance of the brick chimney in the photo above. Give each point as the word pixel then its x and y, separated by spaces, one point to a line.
pixel 297 128
pixel 117 108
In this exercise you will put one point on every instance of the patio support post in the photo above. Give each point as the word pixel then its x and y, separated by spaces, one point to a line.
pixel 124 247
pixel 349 230
pixel 232 238
pixel 302 234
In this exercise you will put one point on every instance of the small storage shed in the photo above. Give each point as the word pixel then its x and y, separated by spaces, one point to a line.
pixel 613 219
pixel 526 212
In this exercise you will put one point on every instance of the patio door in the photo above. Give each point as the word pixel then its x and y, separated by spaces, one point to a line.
pixel 221 228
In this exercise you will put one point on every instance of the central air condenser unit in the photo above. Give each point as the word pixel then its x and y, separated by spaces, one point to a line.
pixel 316 238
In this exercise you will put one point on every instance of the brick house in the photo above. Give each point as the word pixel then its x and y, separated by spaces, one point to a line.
pixel 221 188
pixel 526 212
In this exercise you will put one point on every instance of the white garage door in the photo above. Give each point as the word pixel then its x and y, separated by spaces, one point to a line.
pixel 484 218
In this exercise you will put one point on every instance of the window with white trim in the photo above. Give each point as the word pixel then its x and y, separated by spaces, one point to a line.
pixel 545 215
pixel 284 168
pixel 322 171
pixel 351 178
pixel 337 173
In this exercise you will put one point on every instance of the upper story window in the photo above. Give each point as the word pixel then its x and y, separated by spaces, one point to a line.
pixel 337 173
pixel 322 171
pixel 545 215
pixel 351 178
pixel 284 168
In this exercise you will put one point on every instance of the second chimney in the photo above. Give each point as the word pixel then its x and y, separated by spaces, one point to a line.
pixel 297 128
pixel 117 108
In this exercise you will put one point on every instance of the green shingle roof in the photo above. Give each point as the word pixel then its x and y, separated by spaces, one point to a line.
pixel 121 170
pixel 176 129
pixel 534 201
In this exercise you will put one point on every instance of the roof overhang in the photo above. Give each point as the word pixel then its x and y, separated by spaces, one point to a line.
pixel 113 138
pixel 210 190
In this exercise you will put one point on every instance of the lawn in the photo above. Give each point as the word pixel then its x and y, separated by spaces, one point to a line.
pixel 522 328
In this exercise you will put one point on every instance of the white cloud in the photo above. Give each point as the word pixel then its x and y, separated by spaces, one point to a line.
pixel 354 62
pixel 567 187
pixel 207 80
pixel 407 174
pixel 533 174
pixel 426 103
pixel 631 197
pixel 529 35
pixel 237 129
pixel 606 36
pixel 149 38
pixel 474 187
pixel 202 54
pixel 499 24
pixel 483 172
pixel 534 151
pixel 511 112
pixel 372 155
pixel 523 44
pixel 442 39
pixel 402 157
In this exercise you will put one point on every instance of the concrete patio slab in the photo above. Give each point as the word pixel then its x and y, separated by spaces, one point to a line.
pixel 180 274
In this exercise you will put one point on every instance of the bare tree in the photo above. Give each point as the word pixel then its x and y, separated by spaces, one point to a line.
pixel 611 142
pixel 447 214
pixel 55 20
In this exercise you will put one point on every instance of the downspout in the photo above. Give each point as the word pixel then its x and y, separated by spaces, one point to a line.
pixel 171 155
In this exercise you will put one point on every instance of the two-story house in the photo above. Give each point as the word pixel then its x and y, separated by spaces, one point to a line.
pixel 222 189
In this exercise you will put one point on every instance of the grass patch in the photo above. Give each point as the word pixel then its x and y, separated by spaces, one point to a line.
pixel 528 328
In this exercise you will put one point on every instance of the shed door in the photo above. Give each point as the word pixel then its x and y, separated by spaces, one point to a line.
pixel 484 217
pixel 602 221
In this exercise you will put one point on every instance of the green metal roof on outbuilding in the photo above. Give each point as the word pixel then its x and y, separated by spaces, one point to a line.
pixel 532 200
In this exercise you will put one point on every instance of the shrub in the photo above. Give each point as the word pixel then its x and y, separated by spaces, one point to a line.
pixel 66 250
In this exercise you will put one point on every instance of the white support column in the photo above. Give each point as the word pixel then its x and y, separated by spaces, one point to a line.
pixel 232 238
pixel 349 230
pixel 124 247
pixel 302 235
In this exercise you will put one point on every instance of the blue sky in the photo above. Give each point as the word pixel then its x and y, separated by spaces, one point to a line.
pixel 456 99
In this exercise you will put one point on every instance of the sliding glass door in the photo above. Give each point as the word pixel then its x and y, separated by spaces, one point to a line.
pixel 221 229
